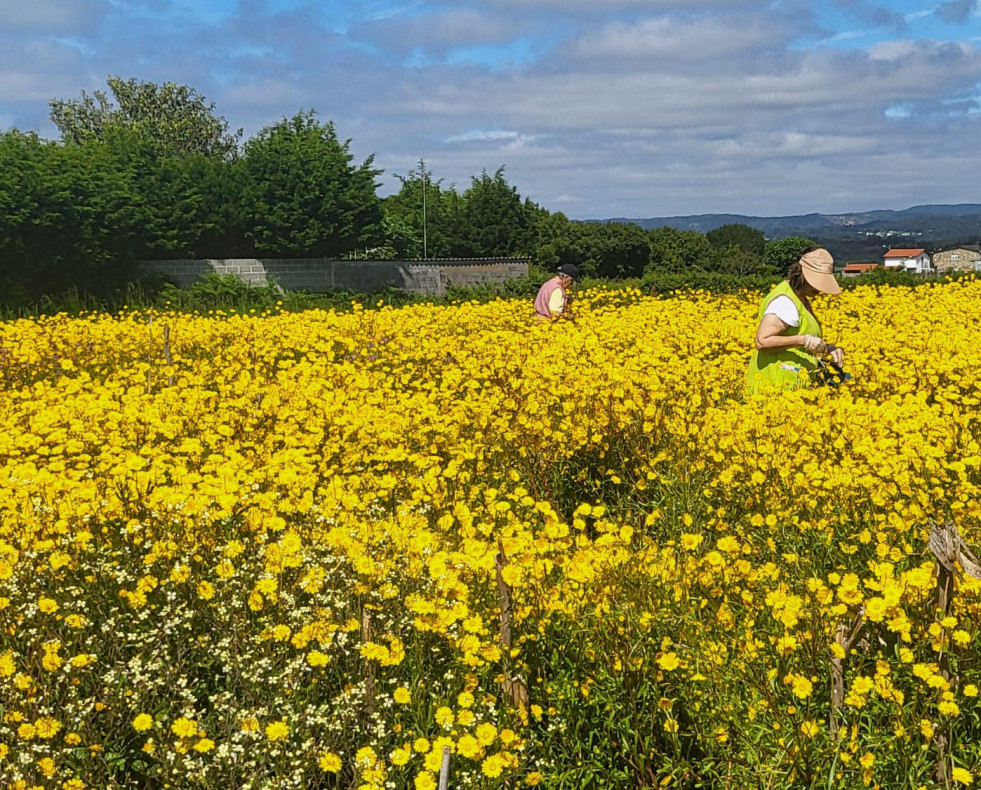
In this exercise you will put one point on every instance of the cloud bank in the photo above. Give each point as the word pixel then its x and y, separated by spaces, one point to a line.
pixel 626 108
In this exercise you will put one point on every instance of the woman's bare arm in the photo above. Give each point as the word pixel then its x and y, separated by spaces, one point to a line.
pixel 768 335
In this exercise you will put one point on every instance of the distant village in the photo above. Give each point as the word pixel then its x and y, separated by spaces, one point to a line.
pixel 962 258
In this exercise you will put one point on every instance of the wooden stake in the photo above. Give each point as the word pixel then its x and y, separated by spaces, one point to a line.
pixel 514 689
pixel 954 558
pixel 367 667
pixel 845 637
pixel 167 357
pixel 444 770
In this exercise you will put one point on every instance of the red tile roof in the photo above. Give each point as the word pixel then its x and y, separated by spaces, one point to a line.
pixel 902 253
pixel 860 267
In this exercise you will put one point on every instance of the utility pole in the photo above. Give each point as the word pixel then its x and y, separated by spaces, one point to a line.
pixel 425 240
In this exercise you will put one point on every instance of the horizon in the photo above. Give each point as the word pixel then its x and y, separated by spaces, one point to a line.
pixel 638 108
pixel 782 216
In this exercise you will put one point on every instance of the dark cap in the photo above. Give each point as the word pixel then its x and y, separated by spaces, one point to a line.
pixel 570 270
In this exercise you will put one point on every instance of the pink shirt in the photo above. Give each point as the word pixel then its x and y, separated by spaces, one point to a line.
pixel 545 296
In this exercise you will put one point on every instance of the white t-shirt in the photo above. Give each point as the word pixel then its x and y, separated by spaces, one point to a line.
pixel 556 302
pixel 783 307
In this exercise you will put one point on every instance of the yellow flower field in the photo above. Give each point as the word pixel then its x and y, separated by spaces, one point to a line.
pixel 266 553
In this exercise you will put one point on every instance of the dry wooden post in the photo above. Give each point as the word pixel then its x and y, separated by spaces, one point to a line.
pixel 514 689
pixel 954 558
pixel 845 637
pixel 503 596
pixel 950 551
pixel 444 770
pixel 838 680
pixel 149 350
pixel 368 669
pixel 167 358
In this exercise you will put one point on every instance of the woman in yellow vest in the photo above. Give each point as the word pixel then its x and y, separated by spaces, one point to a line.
pixel 789 338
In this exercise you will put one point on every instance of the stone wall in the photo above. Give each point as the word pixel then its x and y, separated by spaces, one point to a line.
pixel 960 259
pixel 319 274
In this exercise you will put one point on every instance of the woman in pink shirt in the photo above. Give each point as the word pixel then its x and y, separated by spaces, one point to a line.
pixel 552 302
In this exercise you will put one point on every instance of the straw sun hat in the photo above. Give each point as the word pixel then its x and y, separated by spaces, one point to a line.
pixel 818 268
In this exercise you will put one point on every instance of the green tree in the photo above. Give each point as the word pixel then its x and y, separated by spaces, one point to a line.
pixel 742 263
pixel 740 236
pixel 555 242
pixel 305 195
pixel 675 250
pixel 780 254
pixel 68 216
pixel 491 220
pixel 417 217
pixel 175 118
pixel 613 249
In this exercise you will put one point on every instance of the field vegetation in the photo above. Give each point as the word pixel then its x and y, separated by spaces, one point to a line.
pixel 312 549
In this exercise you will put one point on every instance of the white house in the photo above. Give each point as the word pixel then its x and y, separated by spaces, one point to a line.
pixel 912 261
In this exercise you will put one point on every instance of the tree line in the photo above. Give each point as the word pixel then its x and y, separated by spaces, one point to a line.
pixel 146 171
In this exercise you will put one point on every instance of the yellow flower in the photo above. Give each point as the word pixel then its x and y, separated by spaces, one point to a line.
pixel 786 645
pixel 47 605
pixel 47 767
pixel 800 686
pixel 469 747
pixel 493 766
pixel 47 727
pixel 143 722
pixel 402 755
pixel 184 728
pixel 330 763
pixel 402 696
pixel 962 776
pixel 809 728
pixel 204 745
pixel 317 659
pixel 444 717
pixel 277 731
pixel 668 661
pixel 424 781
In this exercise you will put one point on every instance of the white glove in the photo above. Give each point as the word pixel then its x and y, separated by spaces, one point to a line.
pixel 814 345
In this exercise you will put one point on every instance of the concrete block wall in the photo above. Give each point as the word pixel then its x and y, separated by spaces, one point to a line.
pixel 482 274
pixel 319 274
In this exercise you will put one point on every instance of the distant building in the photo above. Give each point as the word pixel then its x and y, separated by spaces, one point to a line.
pixel 914 261
pixel 966 257
pixel 858 269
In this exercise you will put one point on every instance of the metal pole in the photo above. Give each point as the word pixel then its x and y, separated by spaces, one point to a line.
pixel 425 240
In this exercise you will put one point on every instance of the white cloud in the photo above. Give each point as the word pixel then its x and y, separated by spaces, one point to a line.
pixel 438 31
pixel 51 16
pixel 629 108
pixel 667 38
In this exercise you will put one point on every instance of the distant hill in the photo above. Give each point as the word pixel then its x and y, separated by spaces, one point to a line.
pixel 863 235
pixel 934 219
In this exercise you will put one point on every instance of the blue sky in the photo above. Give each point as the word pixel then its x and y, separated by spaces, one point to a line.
pixel 597 108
